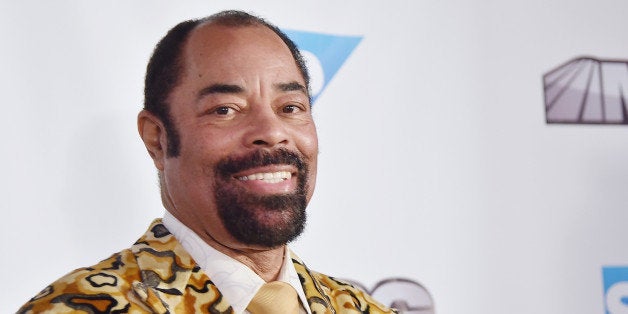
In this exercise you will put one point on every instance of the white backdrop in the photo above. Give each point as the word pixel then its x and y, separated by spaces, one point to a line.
pixel 436 163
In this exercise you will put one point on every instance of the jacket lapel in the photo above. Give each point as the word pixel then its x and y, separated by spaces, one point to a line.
pixel 316 294
pixel 172 282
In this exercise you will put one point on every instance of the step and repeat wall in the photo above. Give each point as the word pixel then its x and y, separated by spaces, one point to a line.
pixel 473 151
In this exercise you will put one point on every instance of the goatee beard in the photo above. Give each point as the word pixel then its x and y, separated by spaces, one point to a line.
pixel 242 212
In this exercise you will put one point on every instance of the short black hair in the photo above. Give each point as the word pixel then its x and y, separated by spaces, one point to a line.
pixel 165 65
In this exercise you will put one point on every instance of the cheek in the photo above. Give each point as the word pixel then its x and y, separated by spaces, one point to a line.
pixel 309 147
pixel 309 144
pixel 311 179
pixel 204 148
pixel 196 162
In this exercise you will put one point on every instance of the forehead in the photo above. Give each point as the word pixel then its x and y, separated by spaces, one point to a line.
pixel 218 48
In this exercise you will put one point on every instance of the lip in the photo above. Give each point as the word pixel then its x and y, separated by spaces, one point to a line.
pixel 275 179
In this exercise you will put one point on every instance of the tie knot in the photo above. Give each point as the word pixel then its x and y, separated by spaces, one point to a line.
pixel 274 297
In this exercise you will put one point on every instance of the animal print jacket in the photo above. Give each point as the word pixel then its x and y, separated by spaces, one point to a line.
pixel 156 275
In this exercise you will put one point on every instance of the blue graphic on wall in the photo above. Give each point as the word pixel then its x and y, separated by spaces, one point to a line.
pixel 324 54
pixel 615 289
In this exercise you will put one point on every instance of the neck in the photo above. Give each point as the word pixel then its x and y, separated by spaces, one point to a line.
pixel 265 262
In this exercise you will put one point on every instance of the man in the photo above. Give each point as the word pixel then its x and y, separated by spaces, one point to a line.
pixel 227 121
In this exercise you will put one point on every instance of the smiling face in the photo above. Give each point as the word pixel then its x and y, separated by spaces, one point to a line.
pixel 247 163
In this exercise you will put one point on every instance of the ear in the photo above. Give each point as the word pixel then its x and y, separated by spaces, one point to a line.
pixel 153 135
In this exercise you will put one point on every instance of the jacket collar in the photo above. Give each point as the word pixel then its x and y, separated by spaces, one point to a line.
pixel 167 270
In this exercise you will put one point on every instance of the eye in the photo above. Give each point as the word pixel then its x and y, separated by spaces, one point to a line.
pixel 223 111
pixel 292 108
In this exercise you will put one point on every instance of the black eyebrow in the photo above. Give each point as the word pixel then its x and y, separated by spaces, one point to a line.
pixel 290 87
pixel 220 89
pixel 237 89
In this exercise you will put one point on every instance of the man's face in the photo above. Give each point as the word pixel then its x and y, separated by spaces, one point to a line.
pixel 247 164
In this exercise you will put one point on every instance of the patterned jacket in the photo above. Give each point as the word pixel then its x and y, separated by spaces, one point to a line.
pixel 156 275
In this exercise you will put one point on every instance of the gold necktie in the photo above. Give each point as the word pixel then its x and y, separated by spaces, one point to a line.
pixel 274 297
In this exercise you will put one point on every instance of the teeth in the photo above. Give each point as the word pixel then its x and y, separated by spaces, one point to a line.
pixel 270 177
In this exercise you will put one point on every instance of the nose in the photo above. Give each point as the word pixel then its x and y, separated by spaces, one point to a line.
pixel 266 129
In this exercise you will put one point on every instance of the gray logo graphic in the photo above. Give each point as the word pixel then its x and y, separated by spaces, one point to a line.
pixel 586 90
pixel 403 294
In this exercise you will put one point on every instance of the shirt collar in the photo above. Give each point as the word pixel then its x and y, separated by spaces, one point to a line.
pixel 237 283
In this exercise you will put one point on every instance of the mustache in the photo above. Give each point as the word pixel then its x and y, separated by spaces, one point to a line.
pixel 260 158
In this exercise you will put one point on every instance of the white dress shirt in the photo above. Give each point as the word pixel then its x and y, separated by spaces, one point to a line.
pixel 237 282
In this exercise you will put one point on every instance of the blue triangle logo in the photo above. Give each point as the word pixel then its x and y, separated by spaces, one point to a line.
pixel 324 54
